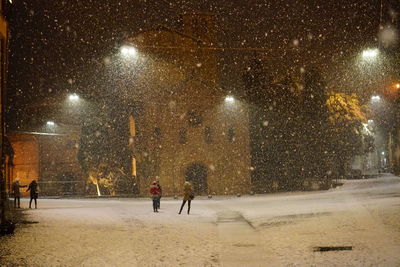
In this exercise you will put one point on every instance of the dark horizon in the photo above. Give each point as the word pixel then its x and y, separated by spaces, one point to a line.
pixel 52 45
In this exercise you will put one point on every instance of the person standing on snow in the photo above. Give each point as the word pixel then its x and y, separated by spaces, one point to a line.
pixel 155 195
pixel 160 194
pixel 16 192
pixel 33 188
pixel 188 195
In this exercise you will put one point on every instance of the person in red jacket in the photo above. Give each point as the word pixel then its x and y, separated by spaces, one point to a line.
pixel 155 195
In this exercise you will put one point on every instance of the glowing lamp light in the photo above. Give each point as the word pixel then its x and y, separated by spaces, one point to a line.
pixel 370 121
pixel 128 51
pixel 50 123
pixel 397 85
pixel 370 54
pixel 73 97
pixel 229 99
pixel 383 153
pixel 375 98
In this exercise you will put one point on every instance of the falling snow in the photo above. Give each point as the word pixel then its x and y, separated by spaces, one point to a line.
pixel 239 98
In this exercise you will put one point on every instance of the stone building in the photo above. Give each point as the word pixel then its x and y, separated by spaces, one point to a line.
pixel 183 125
pixel 188 127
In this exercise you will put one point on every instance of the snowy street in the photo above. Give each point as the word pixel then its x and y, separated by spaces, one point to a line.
pixel 264 230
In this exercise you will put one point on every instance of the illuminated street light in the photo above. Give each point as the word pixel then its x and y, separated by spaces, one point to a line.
pixel 375 98
pixel 73 97
pixel 50 123
pixel 229 99
pixel 128 51
pixel 370 54
pixel 397 85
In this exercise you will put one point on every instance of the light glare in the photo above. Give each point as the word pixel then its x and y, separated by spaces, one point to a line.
pixel 375 98
pixel 50 123
pixel 229 99
pixel 370 53
pixel 73 97
pixel 128 51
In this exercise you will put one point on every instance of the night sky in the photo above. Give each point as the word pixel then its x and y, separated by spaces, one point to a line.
pixel 54 43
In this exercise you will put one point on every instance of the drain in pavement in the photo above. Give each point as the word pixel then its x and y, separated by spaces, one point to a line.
pixel 244 245
pixel 336 248
pixel 28 222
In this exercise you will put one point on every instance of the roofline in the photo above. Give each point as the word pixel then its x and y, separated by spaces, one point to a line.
pixel 173 31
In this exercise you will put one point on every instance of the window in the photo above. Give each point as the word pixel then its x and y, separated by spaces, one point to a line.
pixel 231 134
pixel 133 166
pixel 194 118
pixel 182 136
pixel 132 127
pixel 208 135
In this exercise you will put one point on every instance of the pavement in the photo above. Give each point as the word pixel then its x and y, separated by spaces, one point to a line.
pixel 357 224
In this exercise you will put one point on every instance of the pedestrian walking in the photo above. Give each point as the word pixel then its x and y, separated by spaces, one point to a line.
pixel 160 194
pixel 188 196
pixel 33 189
pixel 155 194
pixel 16 192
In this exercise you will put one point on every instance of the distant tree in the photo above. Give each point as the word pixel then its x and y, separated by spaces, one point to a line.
pixel 105 177
pixel 345 109
pixel 273 107
pixel 257 82
pixel 103 150
pixel 313 140
pixel 314 97
pixel 346 117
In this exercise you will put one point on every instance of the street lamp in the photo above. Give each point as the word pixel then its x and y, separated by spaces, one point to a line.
pixel 50 123
pixel 375 98
pixel 73 97
pixel 229 99
pixel 128 51
pixel 370 54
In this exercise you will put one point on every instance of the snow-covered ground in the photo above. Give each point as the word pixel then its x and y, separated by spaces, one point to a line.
pixel 266 230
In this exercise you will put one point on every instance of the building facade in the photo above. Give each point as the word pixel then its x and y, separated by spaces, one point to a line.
pixel 47 150
pixel 188 128
pixel 183 125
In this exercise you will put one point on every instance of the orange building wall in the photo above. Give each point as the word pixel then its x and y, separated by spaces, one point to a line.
pixel 26 159
pixel 51 160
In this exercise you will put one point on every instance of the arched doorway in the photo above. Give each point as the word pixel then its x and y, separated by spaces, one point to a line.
pixel 196 173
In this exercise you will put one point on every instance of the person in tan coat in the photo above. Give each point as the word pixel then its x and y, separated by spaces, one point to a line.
pixel 16 192
pixel 187 196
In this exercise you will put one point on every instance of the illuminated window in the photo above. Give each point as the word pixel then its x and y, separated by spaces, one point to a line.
pixel 194 118
pixel 133 167
pixel 132 128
